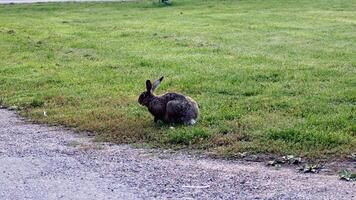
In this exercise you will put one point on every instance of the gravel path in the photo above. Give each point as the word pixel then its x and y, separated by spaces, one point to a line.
pixel 40 162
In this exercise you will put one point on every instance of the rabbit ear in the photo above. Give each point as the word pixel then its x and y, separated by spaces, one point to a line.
pixel 156 83
pixel 149 86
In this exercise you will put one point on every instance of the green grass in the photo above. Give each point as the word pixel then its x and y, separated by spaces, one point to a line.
pixel 270 76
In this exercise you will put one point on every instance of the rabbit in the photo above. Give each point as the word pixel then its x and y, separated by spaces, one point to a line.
pixel 170 108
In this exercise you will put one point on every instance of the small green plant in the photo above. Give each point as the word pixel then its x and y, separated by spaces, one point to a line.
pixel 348 175
pixel 311 168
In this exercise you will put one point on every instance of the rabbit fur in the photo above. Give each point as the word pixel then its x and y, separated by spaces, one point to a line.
pixel 170 108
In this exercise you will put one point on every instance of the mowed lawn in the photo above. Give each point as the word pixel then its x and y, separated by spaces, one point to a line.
pixel 270 76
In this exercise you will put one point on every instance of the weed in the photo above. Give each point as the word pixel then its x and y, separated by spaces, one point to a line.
pixel 348 175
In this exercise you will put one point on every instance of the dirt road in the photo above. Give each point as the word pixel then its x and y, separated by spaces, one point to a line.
pixel 40 162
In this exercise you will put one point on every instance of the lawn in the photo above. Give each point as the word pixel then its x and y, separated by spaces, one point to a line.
pixel 270 76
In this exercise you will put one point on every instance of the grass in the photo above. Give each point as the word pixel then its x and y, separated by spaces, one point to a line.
pixel 271 77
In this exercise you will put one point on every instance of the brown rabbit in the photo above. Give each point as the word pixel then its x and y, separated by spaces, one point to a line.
pixel 171 108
